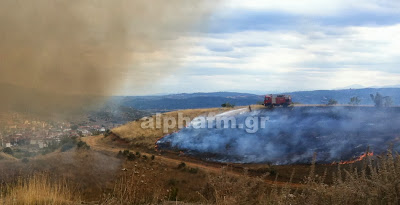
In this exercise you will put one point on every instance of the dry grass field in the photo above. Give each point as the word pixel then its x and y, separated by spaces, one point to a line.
pixel 4 156
pixel 38 189
pixel 146 181
pixel 134 133
pixel 138 175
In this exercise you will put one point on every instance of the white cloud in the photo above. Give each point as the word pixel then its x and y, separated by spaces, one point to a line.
pixel 315 7
pixel 290 60
pixel 306 57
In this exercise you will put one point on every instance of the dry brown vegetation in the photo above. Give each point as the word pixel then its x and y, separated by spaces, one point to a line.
pixel 146 137
pixel 89 176
pixel 38 189
pixel 89 172
pixel 146 181
pixel 372 182
pixel 4 156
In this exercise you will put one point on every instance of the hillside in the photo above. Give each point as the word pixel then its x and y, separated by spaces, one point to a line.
pixel 4 156
pixel 134 133
pixel 187 101
pixel 215 99
pixel 343 96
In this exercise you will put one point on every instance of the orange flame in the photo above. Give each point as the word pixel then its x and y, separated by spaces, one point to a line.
pixel 367 154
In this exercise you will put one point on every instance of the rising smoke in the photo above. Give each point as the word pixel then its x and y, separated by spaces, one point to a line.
pixel 294 135
pixel 52 50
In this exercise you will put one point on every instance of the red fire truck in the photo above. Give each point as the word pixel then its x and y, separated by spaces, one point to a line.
pixel 277 100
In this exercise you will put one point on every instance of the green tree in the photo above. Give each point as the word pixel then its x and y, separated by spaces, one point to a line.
pixel 381 101
pixel 82 145
pixel 228 105
pixel 355 101
pixel 377 99
pixel 332 102
pixel 8 150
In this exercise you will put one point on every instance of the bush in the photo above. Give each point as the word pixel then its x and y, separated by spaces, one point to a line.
pixel 67 147
pixel 25 160
pixel 8 150
pixel 228 105
pixel 332 102
pixel 182 165
pixel 107 133
pixel 355 101
pixel 173 194
pixel 131 156
pixel 82 145
pixel 272 171
pixel 126 154
pixel 193 170
pixel 172 182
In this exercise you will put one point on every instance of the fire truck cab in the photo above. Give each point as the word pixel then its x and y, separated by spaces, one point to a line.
pixel 277 100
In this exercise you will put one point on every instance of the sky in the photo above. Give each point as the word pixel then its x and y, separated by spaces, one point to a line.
pixel 263 45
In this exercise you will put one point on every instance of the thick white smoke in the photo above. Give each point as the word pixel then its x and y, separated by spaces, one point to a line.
pixel 293 135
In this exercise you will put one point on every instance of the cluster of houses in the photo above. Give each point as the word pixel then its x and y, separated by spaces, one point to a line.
pixel 40 133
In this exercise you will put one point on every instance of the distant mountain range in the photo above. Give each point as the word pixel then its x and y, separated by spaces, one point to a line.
pixel 357 86
pixel 187 100
pixel 215 99
pixel 343 96
pixel 32 101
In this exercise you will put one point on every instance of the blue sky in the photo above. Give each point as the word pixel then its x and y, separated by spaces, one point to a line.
pixel 286 46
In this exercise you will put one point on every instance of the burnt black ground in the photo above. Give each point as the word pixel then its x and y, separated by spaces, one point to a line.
pixel 293 135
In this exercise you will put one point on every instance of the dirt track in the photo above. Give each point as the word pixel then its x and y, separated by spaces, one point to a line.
pixel 93 142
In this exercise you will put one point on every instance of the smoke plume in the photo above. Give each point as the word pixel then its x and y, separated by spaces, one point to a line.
pixel 294 135
pixel 51 50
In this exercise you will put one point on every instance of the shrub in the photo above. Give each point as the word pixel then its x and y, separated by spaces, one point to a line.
pixel 82 145
pixel 272 171
pixel 182 165
pixel 355 101
pixel 228 105
pixel 193 170
pixel 332 102
pixel 126 153
pixel 131 156
pixel 107 133
pixel 25 160
pixel 8 150
pixel 172 182
pixel 67 147
pixel 173 194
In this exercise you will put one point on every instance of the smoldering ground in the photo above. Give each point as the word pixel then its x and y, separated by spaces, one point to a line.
pixel 53 51
pixel 294 135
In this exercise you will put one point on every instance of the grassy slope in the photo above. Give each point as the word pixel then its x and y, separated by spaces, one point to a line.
pixel 4 156
pixel 145 181
pixel 146 138
pixel 90 172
